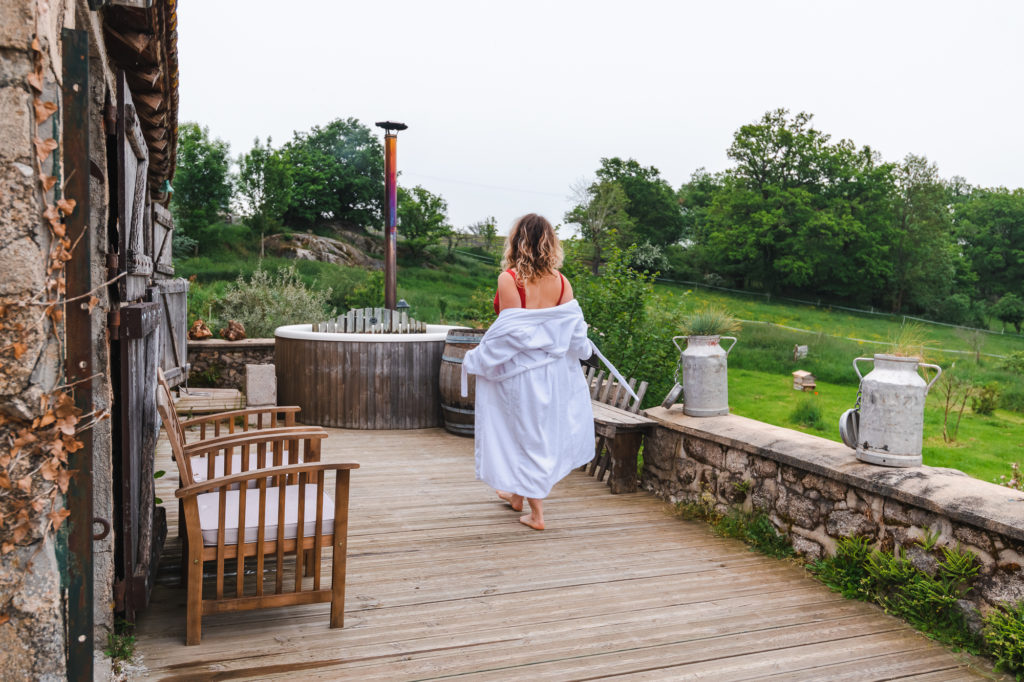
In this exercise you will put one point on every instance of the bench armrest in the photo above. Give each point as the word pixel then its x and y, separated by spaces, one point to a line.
pixel 268 472
pixel 231 414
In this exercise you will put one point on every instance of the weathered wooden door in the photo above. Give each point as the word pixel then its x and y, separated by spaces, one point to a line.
pixel 172 296
pixel 136 352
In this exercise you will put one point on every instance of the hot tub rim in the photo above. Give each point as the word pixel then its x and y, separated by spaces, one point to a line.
pixel 304 332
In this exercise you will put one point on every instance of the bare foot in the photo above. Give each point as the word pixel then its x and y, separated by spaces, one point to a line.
pixel 514 501
pixel 528 520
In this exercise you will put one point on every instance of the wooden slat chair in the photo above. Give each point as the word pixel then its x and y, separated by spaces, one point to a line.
pixel 266 511
pixel 225 425
pixel 618 428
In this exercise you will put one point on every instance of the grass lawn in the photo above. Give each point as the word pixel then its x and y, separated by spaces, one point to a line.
pixel 985 447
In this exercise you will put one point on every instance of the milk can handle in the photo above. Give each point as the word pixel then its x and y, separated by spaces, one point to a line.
pixel 857 369
pixel 676 344
pixel 730 347
pixel 938 373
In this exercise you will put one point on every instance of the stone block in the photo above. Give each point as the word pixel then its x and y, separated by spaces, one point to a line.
pixel 661 449
pixel 16 124
pixel 762 497
pixel 975 537
pixel 807 548
pixel 791 475
pixel 736 461
pixel 833 490
pixel 16 24
pixel 764 467
pixel 704 451
pixel 260 385
pixel 798 509
pixel 846 523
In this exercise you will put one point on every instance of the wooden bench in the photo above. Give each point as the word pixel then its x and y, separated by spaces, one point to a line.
pixel 266 509
pixel 619 430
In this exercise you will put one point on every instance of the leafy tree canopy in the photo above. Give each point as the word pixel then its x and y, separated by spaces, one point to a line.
pixel 202 181
pixel 422 219
pixel 601 211
pixel 337 174
pixel 990 226
pixel 652 206
pixel 265 185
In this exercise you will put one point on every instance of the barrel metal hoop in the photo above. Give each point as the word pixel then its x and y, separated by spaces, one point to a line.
pixel 457 409
pixel 459 428
pixel 448 358
pixel 463 339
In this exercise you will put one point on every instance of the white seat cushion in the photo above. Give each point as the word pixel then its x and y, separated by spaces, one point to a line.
pixel 200 467
pixel 209 504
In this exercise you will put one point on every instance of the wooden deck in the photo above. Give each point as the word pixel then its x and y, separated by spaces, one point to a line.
pixel 444 582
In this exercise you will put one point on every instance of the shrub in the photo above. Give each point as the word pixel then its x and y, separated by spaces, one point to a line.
pixel 369 293
pixel 985 398
pixel 1014 362
pixel 710 321
pixel 647 257
pixel 807 413
pixel 633 334
pixel 264 302
pixel 1004 637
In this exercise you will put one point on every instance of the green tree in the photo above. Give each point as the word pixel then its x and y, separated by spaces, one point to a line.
pixel 600 212
pixel 265 183
pixel 653 206
pixel 422 219
pixel 202 181
pixel 990 228
pixel 798 212
pixel 923 250
pixel 337 174
pixel 1010 309
pixel 486 228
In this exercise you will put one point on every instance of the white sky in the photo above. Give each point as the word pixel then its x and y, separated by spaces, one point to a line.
pixel 509 103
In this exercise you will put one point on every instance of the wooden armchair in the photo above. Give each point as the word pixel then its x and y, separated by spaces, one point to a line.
pixel 263 511
pixel 224 426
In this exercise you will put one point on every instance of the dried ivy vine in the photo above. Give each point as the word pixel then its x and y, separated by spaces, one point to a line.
pixel 34 472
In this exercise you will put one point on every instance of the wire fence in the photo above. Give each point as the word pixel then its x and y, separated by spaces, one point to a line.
pixel 826 305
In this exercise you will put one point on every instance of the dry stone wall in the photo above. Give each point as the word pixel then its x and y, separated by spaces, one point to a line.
pixel 221 364
pixel 816 491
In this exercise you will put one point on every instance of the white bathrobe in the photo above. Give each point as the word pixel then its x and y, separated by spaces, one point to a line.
pixel 534 422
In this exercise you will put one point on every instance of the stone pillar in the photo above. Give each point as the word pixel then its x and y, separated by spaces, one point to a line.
pixel 260 386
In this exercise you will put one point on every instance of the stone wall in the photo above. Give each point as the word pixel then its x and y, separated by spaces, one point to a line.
pixel 221 364
pixel 815 491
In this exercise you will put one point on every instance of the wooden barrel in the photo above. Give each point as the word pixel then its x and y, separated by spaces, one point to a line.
pixel 457 411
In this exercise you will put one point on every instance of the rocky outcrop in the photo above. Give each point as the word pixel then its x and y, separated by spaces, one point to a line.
pixel 316 247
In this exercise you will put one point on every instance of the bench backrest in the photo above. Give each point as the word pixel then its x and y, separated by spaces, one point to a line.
pixel 610 392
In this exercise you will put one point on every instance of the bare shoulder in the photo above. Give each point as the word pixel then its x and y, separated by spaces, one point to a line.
pixel 568 295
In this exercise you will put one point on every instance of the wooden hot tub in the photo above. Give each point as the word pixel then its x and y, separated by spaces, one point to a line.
pixel 361 381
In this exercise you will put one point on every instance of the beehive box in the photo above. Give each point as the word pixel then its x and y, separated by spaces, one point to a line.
pixel 803 381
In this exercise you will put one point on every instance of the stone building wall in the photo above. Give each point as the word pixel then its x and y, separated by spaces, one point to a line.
pixel 816 491
pixel 221 364
pixel 31 610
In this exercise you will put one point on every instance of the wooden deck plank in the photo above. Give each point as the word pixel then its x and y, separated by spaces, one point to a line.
pixel 443 580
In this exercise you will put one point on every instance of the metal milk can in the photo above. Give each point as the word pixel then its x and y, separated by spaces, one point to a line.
pixel 891 402
pixel 705 380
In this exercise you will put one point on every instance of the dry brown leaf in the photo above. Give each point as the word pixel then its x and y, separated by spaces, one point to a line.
pixel 57 517
pixel 39 505
pixel 67 205
pixel 47 419
pixel 19 349
pixel 44 147
pixel 44 110
pixel 35 45
pixel 4 617
pixel 35 79
pixel 7 548
pixel 50 469
pixel 73 445
pixel 64 478
pixel 20 531
pixel 5 481
pixel 93 302
pixel 25 484
pixel 48 182
pixel 51 214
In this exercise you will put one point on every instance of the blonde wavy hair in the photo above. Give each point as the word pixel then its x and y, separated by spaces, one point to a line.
pixel 532 249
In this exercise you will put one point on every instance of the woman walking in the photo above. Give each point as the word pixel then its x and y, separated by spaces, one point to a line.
pixel 534 422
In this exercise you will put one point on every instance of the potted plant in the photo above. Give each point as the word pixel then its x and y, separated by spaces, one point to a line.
pixel 890 419
pixel 705 382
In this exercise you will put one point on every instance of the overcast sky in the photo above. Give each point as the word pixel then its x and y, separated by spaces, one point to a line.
pixel 509 103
